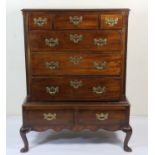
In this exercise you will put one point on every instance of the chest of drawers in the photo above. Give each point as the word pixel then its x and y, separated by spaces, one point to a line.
pixel 75 70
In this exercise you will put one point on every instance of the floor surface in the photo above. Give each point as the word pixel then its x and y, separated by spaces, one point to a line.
pixel 77 143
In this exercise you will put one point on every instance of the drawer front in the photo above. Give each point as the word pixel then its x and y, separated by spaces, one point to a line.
pixel 102 117
pixel 40 21
pixel 49 117
pixel 76 21
pixel 113 21
pixel 78 40
pixel 75 88
pixel 75 64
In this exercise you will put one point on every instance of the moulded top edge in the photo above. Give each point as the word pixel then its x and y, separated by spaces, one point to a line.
pixel 106 9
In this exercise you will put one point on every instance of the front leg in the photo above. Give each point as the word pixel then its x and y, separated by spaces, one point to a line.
pixel 128 131
pixel 23 132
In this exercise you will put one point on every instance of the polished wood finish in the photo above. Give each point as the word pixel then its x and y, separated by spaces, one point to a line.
pixel 114 40
pixel 119 20
pixel 115 117
pixel 75 63
pixel 89 21
pixel 83 91
pixel 75 70
pixel 46 26
pixel 73 114
pixel 63 117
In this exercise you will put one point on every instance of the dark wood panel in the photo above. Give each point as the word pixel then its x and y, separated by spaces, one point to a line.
pixel 75 64
pixel 49 117
pixel 89 40
pixel 114 10
pixel 107 114
pixel 40 21
pixel 73 105
pixel 76 88
pixel 102 117
pixel 111 21
pixel 76 20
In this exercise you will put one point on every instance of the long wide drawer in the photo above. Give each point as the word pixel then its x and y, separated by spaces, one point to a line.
pixel 75 63
pixel 76 88
pixel 77 40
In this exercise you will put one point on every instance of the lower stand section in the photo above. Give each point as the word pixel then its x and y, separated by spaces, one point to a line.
pixel 76 116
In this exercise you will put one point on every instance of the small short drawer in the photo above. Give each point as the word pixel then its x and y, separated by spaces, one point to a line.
pixel 111 21
pixel 103 116
pixel 40 21
pixel 49 117
pixel 76 21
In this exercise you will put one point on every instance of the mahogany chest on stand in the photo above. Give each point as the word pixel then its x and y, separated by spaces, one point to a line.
pixel 76 71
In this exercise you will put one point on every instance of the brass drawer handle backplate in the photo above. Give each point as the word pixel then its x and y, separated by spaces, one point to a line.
pixel 75 20
pixel 100 41
pixel 75 60
pixel 40 21
pixel 75 38
pixel 49 116
pixel 52 90
pixel 99 90
pixel 76 84
pixel 52 65
pixel 111 21
pixel 100 65
pixel 51 42
pixel 102 116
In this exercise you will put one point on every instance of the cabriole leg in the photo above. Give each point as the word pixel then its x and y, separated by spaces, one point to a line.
pixel 128 131
pixel 23 132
